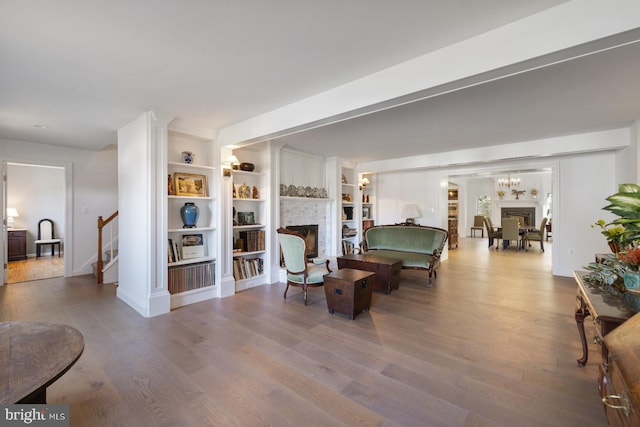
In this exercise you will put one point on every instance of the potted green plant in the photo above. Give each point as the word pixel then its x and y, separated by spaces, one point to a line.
pixel 614 233
pixel 626 205
pixel 623 236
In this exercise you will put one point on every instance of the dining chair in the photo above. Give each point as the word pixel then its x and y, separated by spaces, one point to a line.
pixel 300 272
pixel 511 232
pixel 478 222
pixel 46 237
pixel 520 220
pixel 492 232
pixel 538 235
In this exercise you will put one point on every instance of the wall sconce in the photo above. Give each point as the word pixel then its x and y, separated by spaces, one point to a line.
pixel 410 212
pixel 232 162
pixel 363 183
pixel 11 214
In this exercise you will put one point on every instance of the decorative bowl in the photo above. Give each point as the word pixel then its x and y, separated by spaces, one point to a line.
pixel 247 167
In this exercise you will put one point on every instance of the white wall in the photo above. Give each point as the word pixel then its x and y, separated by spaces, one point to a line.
pixel 94 182
pixel 423 188
pixel 585 182
pixel 138 186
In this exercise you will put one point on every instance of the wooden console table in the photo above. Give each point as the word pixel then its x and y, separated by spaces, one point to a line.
pixel 620 390
pixel 608 311
pixel 32 356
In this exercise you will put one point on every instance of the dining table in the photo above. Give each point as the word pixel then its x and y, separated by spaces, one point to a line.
pixel 523 231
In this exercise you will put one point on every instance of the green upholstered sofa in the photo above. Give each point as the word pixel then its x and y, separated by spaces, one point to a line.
pixel 417 246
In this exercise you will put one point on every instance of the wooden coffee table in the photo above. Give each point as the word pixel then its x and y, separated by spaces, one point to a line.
pixel 387 270
pixel 33 355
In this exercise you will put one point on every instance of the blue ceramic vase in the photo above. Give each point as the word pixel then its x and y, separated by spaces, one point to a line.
pixel 189 214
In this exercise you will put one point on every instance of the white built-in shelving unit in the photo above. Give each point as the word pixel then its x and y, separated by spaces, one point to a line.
pixel 191 272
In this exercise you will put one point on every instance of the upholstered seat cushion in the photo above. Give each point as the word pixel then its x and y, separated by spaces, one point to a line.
pixel 408 259
pixel 315 274
pixel 47 241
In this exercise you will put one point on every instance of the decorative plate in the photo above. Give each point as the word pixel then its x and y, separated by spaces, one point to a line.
pixel 293 191
pixel 301 191
pixel 308 191
pixel 283 190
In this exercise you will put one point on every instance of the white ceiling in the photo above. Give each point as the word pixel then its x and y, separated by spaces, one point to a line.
pixel 84 69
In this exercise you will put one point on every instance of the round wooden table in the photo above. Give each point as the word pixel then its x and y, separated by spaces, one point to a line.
pixel 32 356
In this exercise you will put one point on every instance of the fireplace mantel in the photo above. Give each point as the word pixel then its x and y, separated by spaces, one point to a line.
pixel 514 202
pixel 536 204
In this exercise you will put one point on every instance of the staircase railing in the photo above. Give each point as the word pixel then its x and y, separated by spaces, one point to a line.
pixel 102 223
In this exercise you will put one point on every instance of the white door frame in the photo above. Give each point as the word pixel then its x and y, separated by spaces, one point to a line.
pixel 67 206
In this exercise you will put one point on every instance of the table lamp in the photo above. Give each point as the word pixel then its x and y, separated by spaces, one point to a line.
pixel 12 213
pixel 410 212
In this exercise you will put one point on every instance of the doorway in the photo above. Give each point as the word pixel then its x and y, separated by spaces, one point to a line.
pixel 34 192
pixel 484 194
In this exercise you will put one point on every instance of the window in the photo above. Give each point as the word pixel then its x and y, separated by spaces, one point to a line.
pixel 483 205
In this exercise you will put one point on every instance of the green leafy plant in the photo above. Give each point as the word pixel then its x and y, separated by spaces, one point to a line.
pixel 623 235
pixel 612 232
pixel 607 274
pixel 626 204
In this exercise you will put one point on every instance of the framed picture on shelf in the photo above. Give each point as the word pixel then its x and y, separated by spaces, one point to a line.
pixel 246 218
pixel 366 213
pixel 189 184
pixel 192 240
pixel 192 246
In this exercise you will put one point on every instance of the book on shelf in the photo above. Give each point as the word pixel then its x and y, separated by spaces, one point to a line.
pixel 188 246
pixel 173 250
pixel 189 277
pixel 246 268
pixel 347 247
pixel 253 240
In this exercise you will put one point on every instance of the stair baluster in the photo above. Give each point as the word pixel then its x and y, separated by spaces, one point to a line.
pixel 100 264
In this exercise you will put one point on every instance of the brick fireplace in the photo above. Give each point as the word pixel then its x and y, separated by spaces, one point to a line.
pixel 300 213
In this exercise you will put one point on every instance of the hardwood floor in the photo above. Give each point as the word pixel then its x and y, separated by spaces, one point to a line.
pixel 492 343
pixel 45 267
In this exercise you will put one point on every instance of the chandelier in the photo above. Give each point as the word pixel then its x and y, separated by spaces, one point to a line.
pixel 509 182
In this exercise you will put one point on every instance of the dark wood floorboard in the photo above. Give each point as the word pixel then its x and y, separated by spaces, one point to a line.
pixel 492 343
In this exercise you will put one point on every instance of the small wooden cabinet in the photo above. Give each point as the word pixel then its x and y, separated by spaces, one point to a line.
pixel 17 244
pixel 348 291
pixel 453 215
pixel 453 233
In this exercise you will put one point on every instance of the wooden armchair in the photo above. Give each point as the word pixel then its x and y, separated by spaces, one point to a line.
pixel 300 272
